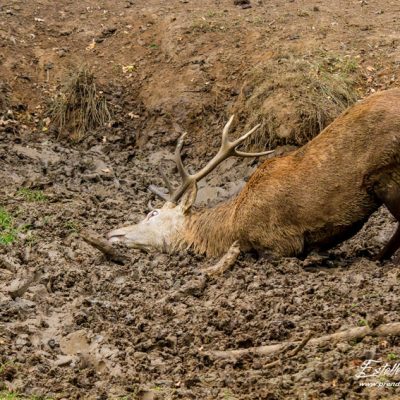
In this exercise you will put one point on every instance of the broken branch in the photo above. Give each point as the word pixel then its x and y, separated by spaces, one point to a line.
pixel 104 246
pixel 350 334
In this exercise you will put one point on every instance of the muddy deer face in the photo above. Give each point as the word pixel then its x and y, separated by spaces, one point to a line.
pixel 161 227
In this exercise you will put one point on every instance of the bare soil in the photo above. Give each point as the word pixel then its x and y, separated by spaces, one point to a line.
pixel 76 326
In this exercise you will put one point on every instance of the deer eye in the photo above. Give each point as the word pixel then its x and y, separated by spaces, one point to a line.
pixel 152 214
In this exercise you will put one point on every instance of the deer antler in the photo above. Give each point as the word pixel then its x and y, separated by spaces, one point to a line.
pixel 228 148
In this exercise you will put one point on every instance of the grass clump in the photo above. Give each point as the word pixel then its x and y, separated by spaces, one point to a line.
pixel 362 322
pixel 79 107
pixel 8 232
pixel 8 396
pixel 392 356
pixel 32 195
pixel 295 98
pixel 71 226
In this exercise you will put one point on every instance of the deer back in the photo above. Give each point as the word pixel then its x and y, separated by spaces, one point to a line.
pixel 321 190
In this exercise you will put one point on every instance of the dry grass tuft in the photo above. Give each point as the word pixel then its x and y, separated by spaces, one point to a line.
pixel 79 106
pixel 295 98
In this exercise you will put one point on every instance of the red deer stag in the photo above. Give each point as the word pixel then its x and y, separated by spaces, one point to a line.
pixel 312 198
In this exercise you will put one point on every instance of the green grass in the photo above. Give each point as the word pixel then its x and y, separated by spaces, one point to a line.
pixel 32 195
pixel 71 226
pixel 8 396
pixel 362 322
pixel 228 395
pixel 211 14
pixel 5 219
pixel 8 232
pixel 5 395
pixel 336 64
pixel 392 356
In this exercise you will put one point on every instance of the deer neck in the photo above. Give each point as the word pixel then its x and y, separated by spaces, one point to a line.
pixel 211 230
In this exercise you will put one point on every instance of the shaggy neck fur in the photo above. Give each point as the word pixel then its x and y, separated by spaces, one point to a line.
pixel 211 231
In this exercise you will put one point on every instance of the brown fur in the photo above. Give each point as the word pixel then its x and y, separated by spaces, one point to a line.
pixel 316 196
pixel 210 231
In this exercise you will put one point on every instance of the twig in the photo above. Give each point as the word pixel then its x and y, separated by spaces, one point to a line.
pixel 301 346
pixel 350 334
pixel 293 353
pixel 106 248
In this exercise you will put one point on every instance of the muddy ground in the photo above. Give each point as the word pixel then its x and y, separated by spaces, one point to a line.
pixel 87 328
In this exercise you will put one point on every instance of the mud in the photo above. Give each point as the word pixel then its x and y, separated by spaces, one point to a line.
pixel 81 327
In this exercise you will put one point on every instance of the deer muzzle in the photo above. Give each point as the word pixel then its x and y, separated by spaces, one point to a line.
pixel 119 235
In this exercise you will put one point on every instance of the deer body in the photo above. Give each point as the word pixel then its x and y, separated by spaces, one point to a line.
pixel 315 197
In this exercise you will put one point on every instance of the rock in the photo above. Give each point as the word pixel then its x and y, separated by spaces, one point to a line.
pixel 62 361
pixel 76 342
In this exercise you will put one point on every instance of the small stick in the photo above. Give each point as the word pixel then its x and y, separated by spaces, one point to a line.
pixel 293 353
pixel 102 245
pixel 301 346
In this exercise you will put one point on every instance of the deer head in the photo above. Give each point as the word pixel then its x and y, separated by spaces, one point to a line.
pixel 161 228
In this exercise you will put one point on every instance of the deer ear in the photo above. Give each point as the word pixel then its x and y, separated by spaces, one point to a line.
pixel 188 198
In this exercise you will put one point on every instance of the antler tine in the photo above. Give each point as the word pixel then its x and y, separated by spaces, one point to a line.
pixel 178 158
pixel 225 131
pixel 227 149
pixel 238 141
pixel 242 138
pixel 245 154
pixel 187 179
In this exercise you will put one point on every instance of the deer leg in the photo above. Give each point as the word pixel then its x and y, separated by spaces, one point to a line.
pixel 388 192
pixel 225 262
